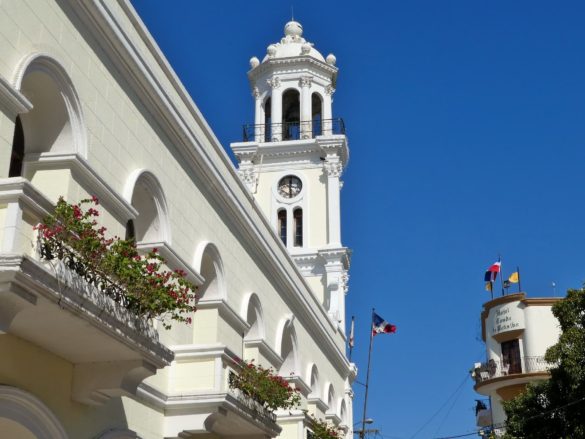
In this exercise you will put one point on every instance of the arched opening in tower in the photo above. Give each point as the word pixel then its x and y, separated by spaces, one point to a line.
pixel 317 114
pixel 267 120
pixel 291 113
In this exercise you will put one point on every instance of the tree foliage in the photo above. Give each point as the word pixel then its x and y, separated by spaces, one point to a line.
pixel 555 408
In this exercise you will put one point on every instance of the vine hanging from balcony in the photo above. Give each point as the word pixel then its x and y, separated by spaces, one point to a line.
pixel 113 265
pixel 264 386
pixel 323 430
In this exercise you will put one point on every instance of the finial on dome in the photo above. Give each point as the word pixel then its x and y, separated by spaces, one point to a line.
pixel 293 29
pixel 331 59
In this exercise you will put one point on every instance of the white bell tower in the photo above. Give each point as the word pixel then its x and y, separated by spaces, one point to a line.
pixel 292 159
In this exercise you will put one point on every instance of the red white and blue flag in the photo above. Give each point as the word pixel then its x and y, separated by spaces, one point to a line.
pixel 380 326
pixel 492 273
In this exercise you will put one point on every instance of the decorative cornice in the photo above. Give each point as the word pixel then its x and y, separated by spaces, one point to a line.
pixel 299 62
pixel 12 100
pixel 86 176
pixel 190 352
pixel 329 90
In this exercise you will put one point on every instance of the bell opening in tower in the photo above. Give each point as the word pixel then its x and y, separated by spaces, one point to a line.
pixel 317 114
pixel 268 120
pixel 291 113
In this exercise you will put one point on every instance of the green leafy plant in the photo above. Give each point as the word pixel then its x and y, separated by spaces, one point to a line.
pixel 324 430
pixel 264 386
pixel 139 282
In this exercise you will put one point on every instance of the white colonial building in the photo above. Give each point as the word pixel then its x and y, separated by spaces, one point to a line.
pixel 517 331
pixel 90 106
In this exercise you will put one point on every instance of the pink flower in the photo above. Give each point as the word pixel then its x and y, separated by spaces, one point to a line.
pixel 95 200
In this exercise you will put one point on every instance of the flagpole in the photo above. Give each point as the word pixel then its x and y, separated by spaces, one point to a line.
pixel 363 430
pixel 519 281
pixel 351 334
pixel 501 274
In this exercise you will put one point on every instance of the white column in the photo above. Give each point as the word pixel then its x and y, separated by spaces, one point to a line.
pixel 306 113
pixel 12 229
pixel 328 110
pixel 258 116
pixel 276 109
pixel 333 168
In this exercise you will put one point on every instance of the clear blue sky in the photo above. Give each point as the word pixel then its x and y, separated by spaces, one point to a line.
pixel 466 123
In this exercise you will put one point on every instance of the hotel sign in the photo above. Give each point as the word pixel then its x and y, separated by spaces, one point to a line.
pixel 504 318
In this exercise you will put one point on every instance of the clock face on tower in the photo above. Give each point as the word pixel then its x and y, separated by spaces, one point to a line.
pixel 289 186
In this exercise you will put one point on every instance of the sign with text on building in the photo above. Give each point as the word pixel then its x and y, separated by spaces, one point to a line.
pixel 504 318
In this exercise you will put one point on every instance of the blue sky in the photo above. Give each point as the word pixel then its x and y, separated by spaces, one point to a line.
pixel 466 123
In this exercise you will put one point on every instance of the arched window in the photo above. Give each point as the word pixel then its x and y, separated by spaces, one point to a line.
pixel 317 114
pixel 282 225
pixel 288 350
pixel 291 115
pixel 145 193
pixel 130 231
pixel 314 380
pixel 268 120
pixel 55 122
pixel 211 268
pixel 17 157
pixel 331 399
pixel 298 223
pixel 254 318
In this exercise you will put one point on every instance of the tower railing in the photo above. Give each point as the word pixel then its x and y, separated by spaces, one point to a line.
pixel 276 132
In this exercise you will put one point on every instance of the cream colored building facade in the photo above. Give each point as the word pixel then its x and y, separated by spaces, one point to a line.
pixel 517 331
pixel 90 106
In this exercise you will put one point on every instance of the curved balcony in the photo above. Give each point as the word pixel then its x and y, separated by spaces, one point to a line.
pixel 494 372
pixel 277 132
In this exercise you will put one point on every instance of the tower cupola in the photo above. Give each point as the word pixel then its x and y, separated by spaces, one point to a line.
pixel 292 158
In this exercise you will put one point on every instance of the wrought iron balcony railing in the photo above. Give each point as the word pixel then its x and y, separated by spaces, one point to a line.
pixel 495 369
pixel 292 130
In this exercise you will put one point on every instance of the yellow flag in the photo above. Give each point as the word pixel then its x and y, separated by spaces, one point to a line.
pixel 488 286
pixel 514 277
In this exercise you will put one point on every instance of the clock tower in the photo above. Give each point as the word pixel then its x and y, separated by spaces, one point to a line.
pixel 292 157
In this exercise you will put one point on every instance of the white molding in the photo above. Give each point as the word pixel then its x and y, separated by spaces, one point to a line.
pixel 189 352
pixel 12 100
pixel 84 174
pixel 270 354
pixel 173 259
pixel 30 412
pixel 319 403
pixel 210 162
pixel 226 312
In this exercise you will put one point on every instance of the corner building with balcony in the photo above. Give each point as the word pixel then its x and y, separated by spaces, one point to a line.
pixel 90 106
pixel 517 331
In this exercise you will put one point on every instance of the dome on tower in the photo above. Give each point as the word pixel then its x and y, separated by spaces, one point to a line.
pixel 292 44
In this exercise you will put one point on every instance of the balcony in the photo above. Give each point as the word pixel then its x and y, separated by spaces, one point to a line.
pixel 292 130
pixel 49 305
pixel 492 370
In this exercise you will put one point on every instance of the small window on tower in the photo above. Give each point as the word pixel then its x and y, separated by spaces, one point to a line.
pixel 282 225
pixel 298 219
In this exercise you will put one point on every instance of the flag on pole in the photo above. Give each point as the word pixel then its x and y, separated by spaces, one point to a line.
pixel 491 274
pixel 379 325
pixel 514 278
pixel 489 286
pixel 351 337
